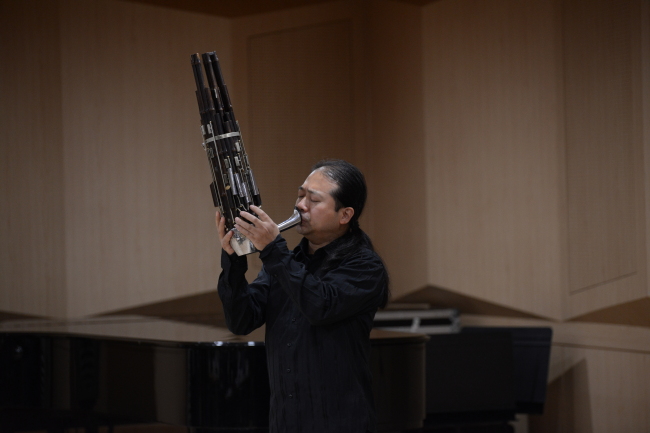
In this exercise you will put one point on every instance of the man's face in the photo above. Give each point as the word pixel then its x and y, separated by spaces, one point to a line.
pixel 321 222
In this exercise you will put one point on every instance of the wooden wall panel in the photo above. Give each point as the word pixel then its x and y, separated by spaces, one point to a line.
pixel 604 139
pixel 647 395
pixel 139 216
pixel 243 29
pixel 32 251
pixel 644 94
pixel 600 141
pixel 295 98
pixel 493 116
pixel 396 152
pixel 300 107
pixel 596 391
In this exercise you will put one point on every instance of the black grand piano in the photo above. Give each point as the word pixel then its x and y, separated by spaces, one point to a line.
pixel 102 373
pixel 99 374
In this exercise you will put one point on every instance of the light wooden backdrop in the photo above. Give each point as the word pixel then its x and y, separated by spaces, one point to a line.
pixel 494 127
pixel 396 146
pixel 105 191
pixel 541 213
pixel 506 146
pixel 139 220
pixel 32 243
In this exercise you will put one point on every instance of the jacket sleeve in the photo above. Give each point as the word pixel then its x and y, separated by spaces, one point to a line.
pixel 244 305
pixel 357 285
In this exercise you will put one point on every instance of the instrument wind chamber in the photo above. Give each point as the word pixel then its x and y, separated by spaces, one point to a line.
pixel 233 185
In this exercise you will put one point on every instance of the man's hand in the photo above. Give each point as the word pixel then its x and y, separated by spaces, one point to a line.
pixel 223 236
pixel 261 232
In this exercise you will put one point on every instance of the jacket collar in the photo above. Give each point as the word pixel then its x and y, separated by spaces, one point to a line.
pixel 302 249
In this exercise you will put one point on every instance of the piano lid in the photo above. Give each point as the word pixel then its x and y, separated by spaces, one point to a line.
pixel 132 369
pixel 161 330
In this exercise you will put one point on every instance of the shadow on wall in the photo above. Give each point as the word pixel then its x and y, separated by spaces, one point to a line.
pixel 568 408
pixel 4 316
pixel 204 308
pixel 439 297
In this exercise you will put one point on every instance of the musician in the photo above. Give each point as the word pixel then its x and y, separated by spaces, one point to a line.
pixel 317 301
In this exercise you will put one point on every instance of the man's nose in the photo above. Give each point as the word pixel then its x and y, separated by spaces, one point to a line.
pixel 302 207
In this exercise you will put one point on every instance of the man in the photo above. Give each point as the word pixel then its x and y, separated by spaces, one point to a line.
pixel 317 301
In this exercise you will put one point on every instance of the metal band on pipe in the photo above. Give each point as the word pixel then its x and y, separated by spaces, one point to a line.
pixel 221 137
pixel 226 135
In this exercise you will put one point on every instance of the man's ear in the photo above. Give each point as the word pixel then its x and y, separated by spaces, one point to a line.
pixel 346 215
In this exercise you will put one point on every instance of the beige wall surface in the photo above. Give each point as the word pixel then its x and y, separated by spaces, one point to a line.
pixel 32 250
pixel 602 55
pixel 600 142
pixel 105 186
pixel 139 218
pixel 493 110
pixel 506 145
pixel 644 106
pixel 396 152
pixel 537 186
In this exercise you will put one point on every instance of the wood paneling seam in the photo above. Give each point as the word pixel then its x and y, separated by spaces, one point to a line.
pixel 603 283
pixel 609 349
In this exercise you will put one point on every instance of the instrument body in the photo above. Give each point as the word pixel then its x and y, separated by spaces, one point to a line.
pixel 233 185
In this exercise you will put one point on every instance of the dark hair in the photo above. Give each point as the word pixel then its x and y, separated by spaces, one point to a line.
pixel 350 191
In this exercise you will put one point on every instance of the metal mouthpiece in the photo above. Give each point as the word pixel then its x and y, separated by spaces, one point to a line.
pixel 243 246
pixel 293 221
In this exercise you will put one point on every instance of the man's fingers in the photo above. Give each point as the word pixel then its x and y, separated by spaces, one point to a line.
pixel 259 228
pixel 243 230
pixel 261 214
pixel 244 222
pixel 221 225
pixel 224 236
pixel 218 219
pixel 225 243
pixel 247 218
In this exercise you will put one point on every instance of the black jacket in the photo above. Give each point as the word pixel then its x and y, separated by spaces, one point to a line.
pixel 317 332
